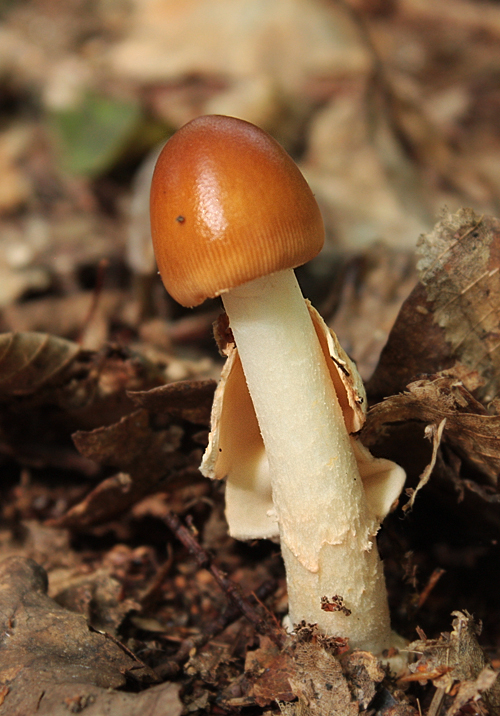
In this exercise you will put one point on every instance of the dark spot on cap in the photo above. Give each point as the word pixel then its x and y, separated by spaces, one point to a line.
pixel 181 219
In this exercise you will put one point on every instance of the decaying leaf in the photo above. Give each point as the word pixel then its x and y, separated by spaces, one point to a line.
pixel 30 360
pixel 49 388
pixel 319 682
pixel 453 314
pixel 460 269
pixel 270 669
pixel 456 665
pixel 315 670
pixel 145 450
pixel 145 457
pixel 469 429
pixel 185 400
pixel 46 648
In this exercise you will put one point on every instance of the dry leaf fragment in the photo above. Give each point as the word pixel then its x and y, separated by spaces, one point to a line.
pixel 453 314
pixel 469 429
pixel 433 433
pixel 185 400
pixel 30 360
pixel 320 684
pixel 457 657
pixel 270 669
pixel 145 457
pixel 460 269
pixel 364 671
pixel 46 647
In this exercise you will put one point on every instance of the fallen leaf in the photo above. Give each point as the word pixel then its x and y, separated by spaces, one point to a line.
pixel 270 669
pixel 469 429
pixel 457 657
pixel 30 360
pixel 453 314
pixel 460 268
pixel 309 668
pixel 184 399
pixel 146 458
pixel 46 700
pixel 46 647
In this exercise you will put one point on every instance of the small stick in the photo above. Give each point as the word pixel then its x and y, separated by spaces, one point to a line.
pixel 262 619
pixel 96 295
pixel 153 593
pixel 433 580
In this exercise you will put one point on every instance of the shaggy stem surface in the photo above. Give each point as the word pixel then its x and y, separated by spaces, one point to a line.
pixel 326 528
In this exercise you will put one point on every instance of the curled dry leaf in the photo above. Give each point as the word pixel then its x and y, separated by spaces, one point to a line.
pixel 49 653
pixel 49 388
pixel 469 430
pixel 460 269
pixel 453 314
pixel 145 457
pixel 29 361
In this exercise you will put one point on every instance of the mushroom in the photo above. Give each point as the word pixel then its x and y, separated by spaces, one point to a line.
pixel 232 216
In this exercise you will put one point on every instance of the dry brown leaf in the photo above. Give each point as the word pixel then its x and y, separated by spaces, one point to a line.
pixel 30 360
pixel 415 346
pixel 185 400
pixel 460 269
pixel 98 596
pixel 454 312
pixel 271 669
pixel 308 668
pixel 146 458
pixel 46 647
pixel 319 683
pixel 364 671
pixel 49 388
pixel 469 429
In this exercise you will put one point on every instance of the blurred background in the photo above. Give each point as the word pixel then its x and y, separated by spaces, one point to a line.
pixel 390 108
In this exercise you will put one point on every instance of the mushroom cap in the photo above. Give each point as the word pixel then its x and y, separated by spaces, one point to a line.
pixel 228 205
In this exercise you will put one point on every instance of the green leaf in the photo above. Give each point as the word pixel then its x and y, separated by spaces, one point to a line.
pixel 90 137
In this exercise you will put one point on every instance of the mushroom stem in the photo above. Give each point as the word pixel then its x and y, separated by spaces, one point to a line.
pixel 327 529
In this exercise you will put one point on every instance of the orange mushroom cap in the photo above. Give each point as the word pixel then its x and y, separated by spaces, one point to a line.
pixel 228 205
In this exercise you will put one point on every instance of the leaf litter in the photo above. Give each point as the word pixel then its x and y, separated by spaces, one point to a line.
pixel 133 540
pixel 153 436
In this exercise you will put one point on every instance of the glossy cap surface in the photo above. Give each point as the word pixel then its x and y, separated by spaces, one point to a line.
pixel 228 205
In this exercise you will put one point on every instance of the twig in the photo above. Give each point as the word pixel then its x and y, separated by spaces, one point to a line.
pixel 152 594
pixel 433 580
pixel 96 295
pixel 437 702
pixel 260 617
pixel 210 631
